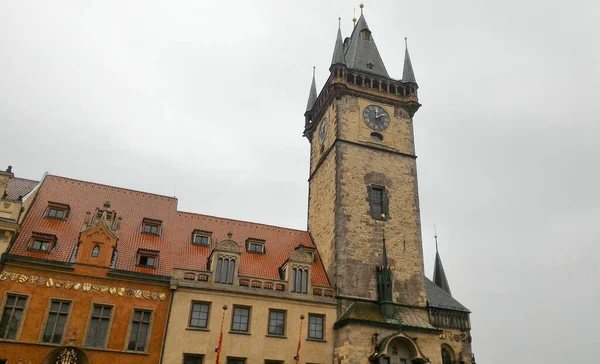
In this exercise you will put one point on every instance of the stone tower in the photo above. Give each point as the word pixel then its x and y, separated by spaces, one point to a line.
pixel 363 179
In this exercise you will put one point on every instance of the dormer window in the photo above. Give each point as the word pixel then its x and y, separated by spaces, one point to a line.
pixel 366 35
pixel 147 259
pixel 57 211
pixel 152 227
pixel 42 243
pixel 200 237
pixel 255 246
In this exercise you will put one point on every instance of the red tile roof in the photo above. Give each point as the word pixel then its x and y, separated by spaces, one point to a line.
pixel 174 244
pixel 19 187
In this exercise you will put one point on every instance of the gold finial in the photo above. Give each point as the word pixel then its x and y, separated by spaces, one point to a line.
pixel 361 8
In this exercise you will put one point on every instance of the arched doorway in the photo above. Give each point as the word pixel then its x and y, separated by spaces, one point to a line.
pixel 398 349
pixel 66 355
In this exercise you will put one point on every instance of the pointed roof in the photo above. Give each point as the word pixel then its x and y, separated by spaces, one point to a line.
pixel 408 75
pixel 312 95
pixel 439 276
pixel 437 297
pixel 361 52
pixel 338 50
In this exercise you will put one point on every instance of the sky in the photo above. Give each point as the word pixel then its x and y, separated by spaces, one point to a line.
pixel 204 100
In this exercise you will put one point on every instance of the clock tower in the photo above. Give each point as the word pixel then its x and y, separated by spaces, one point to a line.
pixel 363 210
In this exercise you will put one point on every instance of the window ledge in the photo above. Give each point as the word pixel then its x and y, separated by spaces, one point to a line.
pixel 239 332
pixel 316 340
pixel 56 218
pixel 191 328
pixel 152 234
pixel 276 336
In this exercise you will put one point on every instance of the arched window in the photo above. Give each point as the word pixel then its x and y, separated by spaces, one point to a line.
pixel 95 251
pixel 446 356
pixel 299 280
pixel 225 271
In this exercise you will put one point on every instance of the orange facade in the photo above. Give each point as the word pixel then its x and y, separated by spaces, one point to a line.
pixel 82 287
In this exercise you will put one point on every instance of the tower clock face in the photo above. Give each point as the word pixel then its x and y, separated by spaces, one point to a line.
pixel 376 117
pixel 323 131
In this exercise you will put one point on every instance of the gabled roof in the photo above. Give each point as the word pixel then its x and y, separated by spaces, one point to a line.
pixel 361 52
pixel 19 187
pixel 174 244
pixel 436 297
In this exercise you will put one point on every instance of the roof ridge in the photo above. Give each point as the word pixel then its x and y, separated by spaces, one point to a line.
pixel 244 221
pixel 115 187
pixel 25 179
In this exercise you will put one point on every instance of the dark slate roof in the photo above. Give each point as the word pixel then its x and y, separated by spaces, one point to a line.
pixel 338 50
pixel 312 95
pixel 19 187
pixel 408 75
pixel 370 312
pixel 439 276
pixel 361 52
pixel 436 297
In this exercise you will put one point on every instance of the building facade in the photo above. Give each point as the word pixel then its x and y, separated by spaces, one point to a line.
pixel 95 273
pixel 364 214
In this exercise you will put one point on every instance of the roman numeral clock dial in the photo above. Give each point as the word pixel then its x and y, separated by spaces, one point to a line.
pixel 376 117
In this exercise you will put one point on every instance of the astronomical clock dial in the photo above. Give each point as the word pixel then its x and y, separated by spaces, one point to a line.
pixel 323 131
pixel 376 117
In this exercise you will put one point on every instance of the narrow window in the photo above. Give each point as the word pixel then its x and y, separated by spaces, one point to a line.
pixel 199 315
pixel 192 358
pixel 241 319
pixel 304 281
pixel 294 280
pixel 315 326
pixel 276 322
pixel 95 251
pixel 55 325
pixel 378 202
pixel 98 330
pixel 446 356
pixel 11 316
pixel 138 335
pixel 299 280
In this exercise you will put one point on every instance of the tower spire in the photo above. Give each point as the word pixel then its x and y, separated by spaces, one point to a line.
pixel 408 75
pixel 361 52
pixel 439 276
pixel 312 95
pixel 338 50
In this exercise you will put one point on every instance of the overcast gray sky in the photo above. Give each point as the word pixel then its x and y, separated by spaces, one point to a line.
pixel 205 100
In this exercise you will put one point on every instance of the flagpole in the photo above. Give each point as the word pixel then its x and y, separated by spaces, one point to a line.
pixel 218 349
pixel 297 357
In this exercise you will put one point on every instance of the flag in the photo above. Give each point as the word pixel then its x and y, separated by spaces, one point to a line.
pixel 297 357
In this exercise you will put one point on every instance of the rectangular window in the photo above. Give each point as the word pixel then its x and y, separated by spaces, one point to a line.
pixel 241 319
pixel 41 245
pixel 12 316
pixel 140 325
pixel 192 359
pixel 386 360
pixel 255 248
pixel 147 259
pixel 236 360
pixel 199 315
pixel 150 226
pixel 98 331
pixel 56 213
pixel 315 326
pixel 378 202
pixel 57 318
pixel 276 322
pixel 201 238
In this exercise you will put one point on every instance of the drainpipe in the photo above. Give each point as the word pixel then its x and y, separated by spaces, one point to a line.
pixel 162 350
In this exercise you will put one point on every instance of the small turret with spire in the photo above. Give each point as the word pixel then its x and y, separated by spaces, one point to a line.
pixel 408 75
pixel 312 95
pixel 439 276
pixel 384 280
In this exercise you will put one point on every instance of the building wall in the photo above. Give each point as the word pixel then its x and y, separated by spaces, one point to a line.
pixel 256 346
pixel 84 286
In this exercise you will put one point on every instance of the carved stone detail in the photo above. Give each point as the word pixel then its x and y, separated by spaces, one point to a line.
pixel 229 245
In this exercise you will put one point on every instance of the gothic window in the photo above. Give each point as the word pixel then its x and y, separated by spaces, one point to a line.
pixel 300 280
pixel 378 202
pixel 139 329
pixel 350 78
pixel 98 330
pixel 11 316
pixel 315 326
pixel 446 356
pixel 95 251
pixel 241 319
pixel 225 270
pixel 55 324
